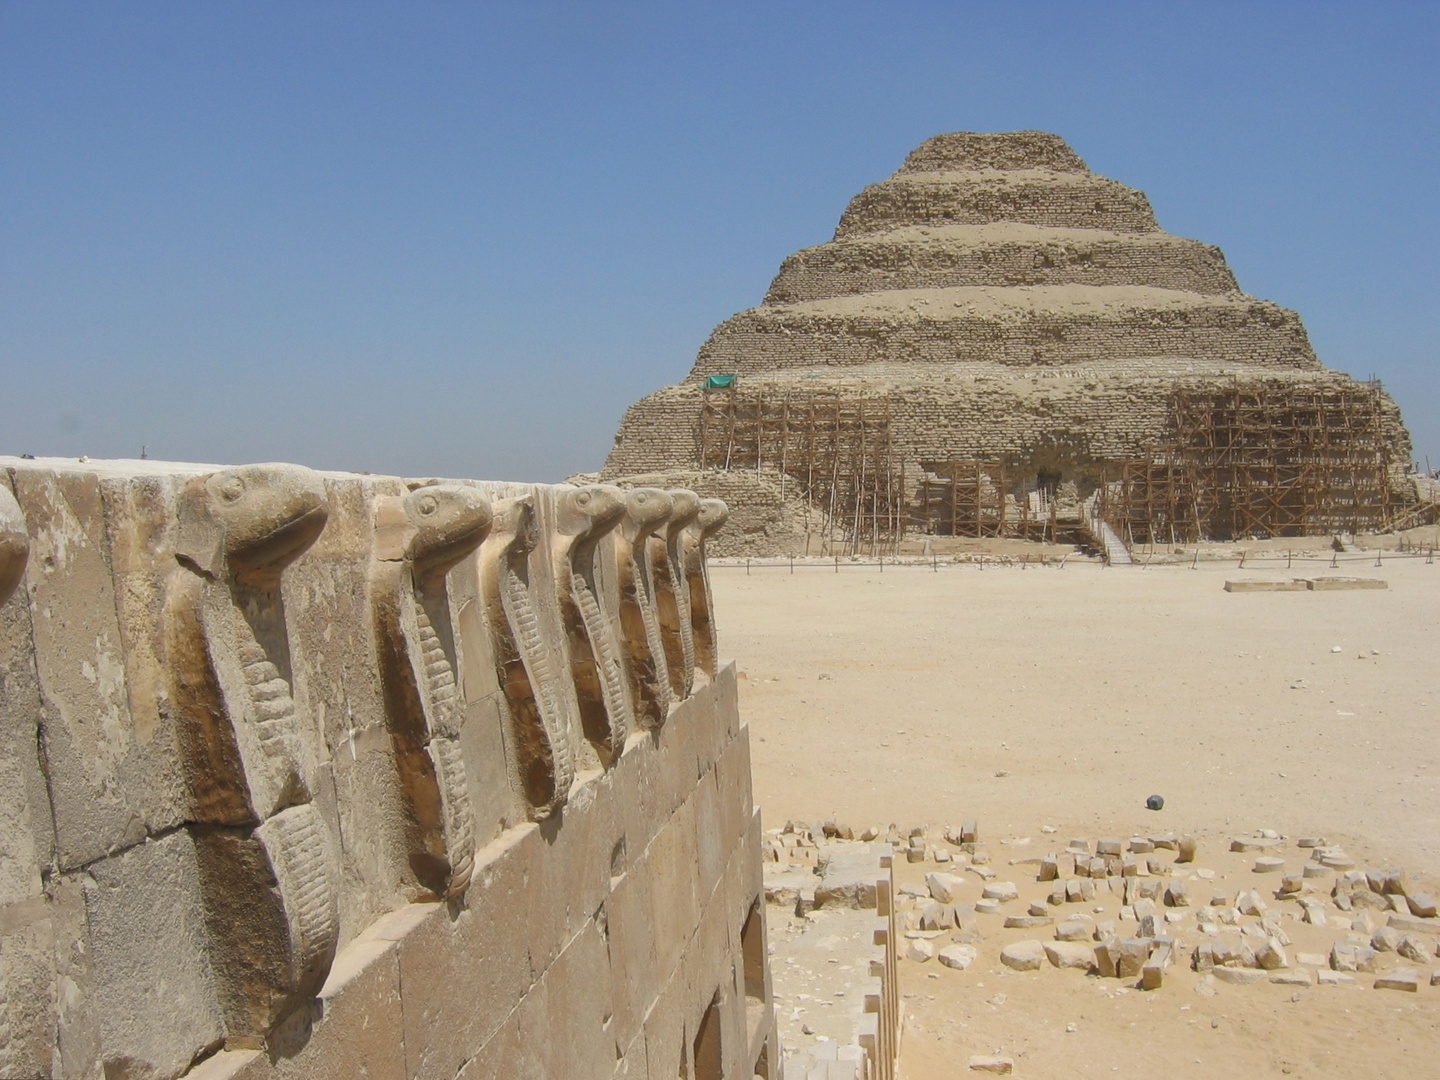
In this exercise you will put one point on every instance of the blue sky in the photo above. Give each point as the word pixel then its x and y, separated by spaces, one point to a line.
pixel 459 239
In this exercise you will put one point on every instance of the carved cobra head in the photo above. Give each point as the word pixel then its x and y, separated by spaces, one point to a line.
pixel 591 510
pixel 253 519
pixel 713 515
pixel 14 544
pixel 684 506
pixel 645 510
pixel 514 526
pixel 450 520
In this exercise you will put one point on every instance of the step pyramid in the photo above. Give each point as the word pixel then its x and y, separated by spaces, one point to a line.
pixel 1005 303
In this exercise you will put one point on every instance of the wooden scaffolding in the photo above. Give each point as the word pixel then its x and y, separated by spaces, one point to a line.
pixel 836 450
pixel 1264 461
pixel 978 498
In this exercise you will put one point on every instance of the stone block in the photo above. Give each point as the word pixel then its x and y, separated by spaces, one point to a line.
pixel 462 972
pixel 1406 979
pixel 1152 975
pixel 1002 891
pixel 28 1006
pixel 1336 583
pixel 1325 977
pixel 1352 958
pixel 1028 922
pixel 958 957
pixel 1239 976
pixel 1070 954
pixel 229 1065
pixel 353 1028
pixel 1414 948
pixel 1249 902
pixel 937 916
pixel 1131 956
pixel 1293 977
pixel 1185 849
pixel 1271 955
pixel 1073 930
pixel 1410 924
pixel 849 877
pixel 111 782
pixel 1249 585
pixel 1254 843
pixel 1107 956
pixel 1422 905
pixel 635 974
pixel 153 990
pixel 1023 955
pixel 919 950
pixel 945 888
pixel 1386 939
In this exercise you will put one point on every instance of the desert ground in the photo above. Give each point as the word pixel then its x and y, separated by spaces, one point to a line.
pixel 1048 699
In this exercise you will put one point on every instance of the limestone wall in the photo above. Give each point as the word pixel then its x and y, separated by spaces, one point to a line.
pixel 1004 255
pixel 315 775
pixel 1032 197
pixel 1023 326
pixel 1063 418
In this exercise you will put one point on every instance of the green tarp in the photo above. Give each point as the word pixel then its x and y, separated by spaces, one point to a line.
pixel 719 382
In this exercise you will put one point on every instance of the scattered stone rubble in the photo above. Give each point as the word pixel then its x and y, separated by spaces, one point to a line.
pixel 834 958
pixel 1143 910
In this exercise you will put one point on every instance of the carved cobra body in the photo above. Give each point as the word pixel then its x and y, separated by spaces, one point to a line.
pixel 418 668
pixel 646 509
pixel 527 673
pixel 672 590
pixel 266 856
pixel 585 516
pixel 711 519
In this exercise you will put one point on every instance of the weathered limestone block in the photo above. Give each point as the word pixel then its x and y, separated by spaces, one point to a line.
pixel 14 544
pixel 710 520
pixel 672 590
pixel 153 990
pixel 112 780
pixel 27 1000
pixel 537 693
pixel 453 1004
pixel 646 511
pixel 416 643
pixel 585 518
pixel 354 1030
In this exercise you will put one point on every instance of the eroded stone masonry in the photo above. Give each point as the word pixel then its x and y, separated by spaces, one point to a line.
pixel 337 775
pixel 995 314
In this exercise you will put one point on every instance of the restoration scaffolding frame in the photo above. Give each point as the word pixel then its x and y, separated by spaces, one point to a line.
pixel 1259 461
pixel 836 450
pixel 972 497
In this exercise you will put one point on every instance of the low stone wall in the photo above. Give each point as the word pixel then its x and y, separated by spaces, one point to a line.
pixel 317 775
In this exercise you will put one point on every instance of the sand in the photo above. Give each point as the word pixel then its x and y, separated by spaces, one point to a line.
pixel 1090 689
